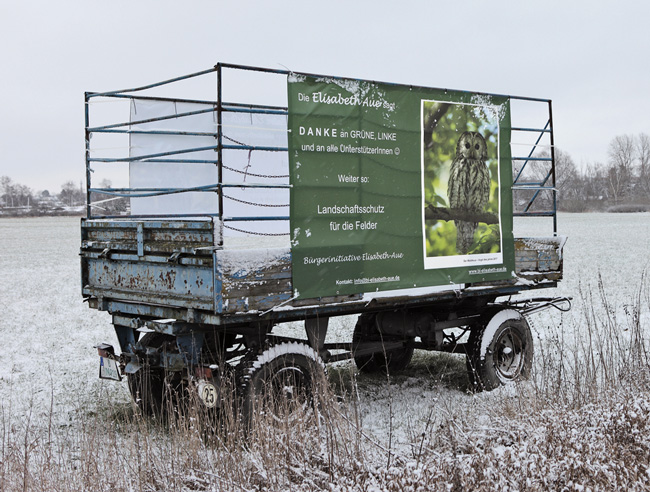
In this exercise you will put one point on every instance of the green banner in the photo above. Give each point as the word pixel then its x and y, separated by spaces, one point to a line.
pixel 395 187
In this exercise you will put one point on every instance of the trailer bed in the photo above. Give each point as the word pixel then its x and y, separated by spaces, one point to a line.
pixel 176 266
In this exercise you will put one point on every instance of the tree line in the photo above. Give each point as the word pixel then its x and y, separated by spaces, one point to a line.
pixel 621 183
pixel 18 199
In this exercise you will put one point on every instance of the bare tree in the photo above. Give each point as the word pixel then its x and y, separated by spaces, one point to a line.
pixel 71 195
pixel 643 157
pixel 7 191
pixel 568 181
pixel 621 166
pixel 595 182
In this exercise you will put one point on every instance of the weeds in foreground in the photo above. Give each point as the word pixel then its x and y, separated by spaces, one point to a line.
pixel 582 422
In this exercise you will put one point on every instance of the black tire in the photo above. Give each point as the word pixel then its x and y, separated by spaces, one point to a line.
pixel 500 351
pixel 387 360
pixel 153 390
pixel 282 382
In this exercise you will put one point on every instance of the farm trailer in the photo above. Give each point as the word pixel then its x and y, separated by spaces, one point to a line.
pixel 341 199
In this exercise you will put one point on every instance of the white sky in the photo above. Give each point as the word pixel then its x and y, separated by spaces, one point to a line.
pixel 591 58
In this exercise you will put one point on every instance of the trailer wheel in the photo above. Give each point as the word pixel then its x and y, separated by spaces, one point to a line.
pixel 152 389
pixel 500 352
pixel 386 360
pixel 281 382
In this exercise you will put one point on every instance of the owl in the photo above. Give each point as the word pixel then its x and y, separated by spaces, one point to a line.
pixel 469 184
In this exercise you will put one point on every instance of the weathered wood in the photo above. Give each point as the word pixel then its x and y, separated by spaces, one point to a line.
pixel 538 259
pixel 326 300
pixel 256 288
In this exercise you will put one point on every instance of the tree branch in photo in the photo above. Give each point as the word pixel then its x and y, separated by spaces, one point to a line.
pixel 432 122
pixel 443 213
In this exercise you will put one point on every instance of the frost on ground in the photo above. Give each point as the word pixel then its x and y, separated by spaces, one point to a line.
pixel 580 423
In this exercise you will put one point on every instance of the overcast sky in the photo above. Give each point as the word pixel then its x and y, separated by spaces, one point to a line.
pixel 591 58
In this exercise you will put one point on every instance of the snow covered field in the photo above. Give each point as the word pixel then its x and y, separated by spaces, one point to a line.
pixel 48 367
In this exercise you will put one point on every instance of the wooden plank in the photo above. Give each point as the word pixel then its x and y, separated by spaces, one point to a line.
pixel 256 288
pixel 538 259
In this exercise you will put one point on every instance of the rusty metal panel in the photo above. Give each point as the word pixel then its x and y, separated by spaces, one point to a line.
pixel 150 261
pixel 160 280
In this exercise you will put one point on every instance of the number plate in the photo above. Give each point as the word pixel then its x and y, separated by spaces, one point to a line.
pixel 108 369
pixel 208 393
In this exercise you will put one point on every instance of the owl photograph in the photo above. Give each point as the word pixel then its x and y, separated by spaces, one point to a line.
pixel 460 180
pixel 469 185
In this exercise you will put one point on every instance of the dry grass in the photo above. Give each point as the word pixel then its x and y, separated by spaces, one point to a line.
pixel 582 423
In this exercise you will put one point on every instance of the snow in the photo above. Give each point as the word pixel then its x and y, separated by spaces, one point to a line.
pixel 282 349
pixel 492 327
pixel 47 361
pixel 242 262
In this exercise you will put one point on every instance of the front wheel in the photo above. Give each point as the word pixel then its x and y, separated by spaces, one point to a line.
pixel 501 351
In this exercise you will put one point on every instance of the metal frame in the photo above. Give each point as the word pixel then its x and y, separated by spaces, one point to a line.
pixel 220 106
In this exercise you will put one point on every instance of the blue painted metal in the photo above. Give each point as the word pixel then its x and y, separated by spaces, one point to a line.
pixel 534 130
pixel 250 219
pixel 156 132
pixel 220 137
pixel 541 186
pixel 553 182
pixel 140 239
pixel 184 161
pixel 157 84
pixel 150 156
pixel 190 346
pixel 152 120
pixel 254 147
pixel 125 337
pixel 539 138
pixel 532 159
pixel 256 111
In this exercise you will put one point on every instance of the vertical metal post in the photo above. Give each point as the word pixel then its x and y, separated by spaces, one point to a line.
pixel 220 149
pixel 88 209
pixel 550 120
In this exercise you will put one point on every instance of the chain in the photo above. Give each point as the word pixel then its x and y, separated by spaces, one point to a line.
pixel 256 233
pixel 235 141
pixel 256 175
pixel 246 173
pixel 254 204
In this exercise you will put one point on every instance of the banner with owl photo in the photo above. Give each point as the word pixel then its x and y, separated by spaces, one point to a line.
pixel 396 187
pixel 461 183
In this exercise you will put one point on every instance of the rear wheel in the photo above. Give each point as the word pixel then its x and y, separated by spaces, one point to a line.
pixel 281 382
pixel 391 360
pixel 501 351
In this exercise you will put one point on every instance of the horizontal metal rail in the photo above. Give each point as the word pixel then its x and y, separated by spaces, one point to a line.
pixel 183 161
pixel 151 86
pixel 150 156
pixel 255 147
pixel 254 219
pixel 280 112
pixel 549 213
pixel 134 192
pixel 534 130
pixel 156 132
pixel 152 120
